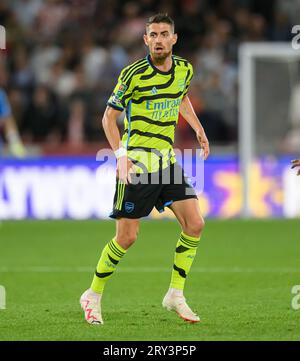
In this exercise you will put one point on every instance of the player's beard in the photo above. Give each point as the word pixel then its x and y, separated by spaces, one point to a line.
pixel 160 58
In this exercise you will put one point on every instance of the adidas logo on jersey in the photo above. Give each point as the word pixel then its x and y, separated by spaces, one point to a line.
pixel 154 90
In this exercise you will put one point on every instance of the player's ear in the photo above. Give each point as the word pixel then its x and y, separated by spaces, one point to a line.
pixel 145 39
pixel 175 37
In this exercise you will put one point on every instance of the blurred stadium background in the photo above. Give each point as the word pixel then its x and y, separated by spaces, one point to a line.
pixel 61 61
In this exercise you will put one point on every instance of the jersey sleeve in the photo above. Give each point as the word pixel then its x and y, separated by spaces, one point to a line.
pixel 5 110
pixel 189 77
pixel 122 92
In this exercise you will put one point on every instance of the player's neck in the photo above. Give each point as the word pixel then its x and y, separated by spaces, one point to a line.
pixel 162 64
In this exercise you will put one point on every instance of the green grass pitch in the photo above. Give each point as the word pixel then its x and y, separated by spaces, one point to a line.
pixel 240 282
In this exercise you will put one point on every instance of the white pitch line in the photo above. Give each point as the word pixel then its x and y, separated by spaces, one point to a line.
pixel 45 269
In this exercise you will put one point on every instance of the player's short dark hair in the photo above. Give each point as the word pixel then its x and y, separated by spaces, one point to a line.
pixel 161 18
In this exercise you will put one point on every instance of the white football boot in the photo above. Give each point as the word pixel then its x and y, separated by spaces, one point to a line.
pixel 91 304
pixel 177 303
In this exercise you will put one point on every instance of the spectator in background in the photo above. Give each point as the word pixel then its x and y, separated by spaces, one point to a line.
pixel 94 58
pixel 75 131
pixel 241 23
pixel 22 74
pixel 257 28
pixel 280 30
pixel 43 57
pixel 51 17
pixel 289 7
pixel 191 24
pixel 61 80
pixel 131 27
pixel 26 11
pixel 43 117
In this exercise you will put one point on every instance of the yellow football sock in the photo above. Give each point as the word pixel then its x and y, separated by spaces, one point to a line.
pixel 186 249
pixel 110 257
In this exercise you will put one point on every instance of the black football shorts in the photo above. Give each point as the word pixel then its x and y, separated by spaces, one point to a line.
pixel 159 190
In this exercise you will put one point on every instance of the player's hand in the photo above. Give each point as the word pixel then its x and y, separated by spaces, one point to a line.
pixel 124 168
pixel 296 163
pixel 204 144
pixel 17 149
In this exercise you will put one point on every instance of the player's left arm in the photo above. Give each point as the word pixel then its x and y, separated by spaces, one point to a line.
pixel 187 111
pixel 296 163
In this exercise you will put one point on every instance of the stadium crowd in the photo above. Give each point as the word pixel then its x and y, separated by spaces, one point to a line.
pixel 63 57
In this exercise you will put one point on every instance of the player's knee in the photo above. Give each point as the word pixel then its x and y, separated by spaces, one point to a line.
pixel 195 227
pixel 127 238
pixel 132 237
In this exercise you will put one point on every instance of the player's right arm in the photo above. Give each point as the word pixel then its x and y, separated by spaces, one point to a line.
pixel 109 122
pixel 117 103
